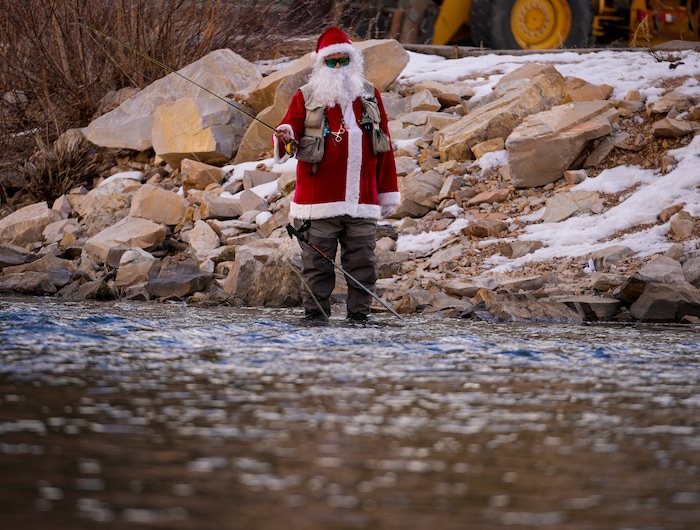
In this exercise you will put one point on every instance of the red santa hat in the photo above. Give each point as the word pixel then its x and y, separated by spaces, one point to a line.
pixel 332 41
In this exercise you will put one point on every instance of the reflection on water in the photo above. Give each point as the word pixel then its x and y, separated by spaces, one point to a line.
pixel 127 415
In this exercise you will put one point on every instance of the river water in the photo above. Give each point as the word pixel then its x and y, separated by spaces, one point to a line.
pixel 129 415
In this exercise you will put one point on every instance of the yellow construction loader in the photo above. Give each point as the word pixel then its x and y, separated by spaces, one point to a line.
pixel 531 24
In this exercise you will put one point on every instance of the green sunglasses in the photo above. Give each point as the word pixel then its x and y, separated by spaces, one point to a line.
pixel 343 61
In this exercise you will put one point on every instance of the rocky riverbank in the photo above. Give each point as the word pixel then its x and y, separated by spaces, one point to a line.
pixel 191 207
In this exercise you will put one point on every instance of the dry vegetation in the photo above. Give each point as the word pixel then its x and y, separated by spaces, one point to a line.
pixel 54 71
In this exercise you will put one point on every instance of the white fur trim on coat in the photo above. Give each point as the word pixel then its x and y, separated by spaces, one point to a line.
pixel 277 147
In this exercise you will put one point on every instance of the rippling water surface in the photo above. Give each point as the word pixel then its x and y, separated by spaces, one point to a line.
pixel 127 415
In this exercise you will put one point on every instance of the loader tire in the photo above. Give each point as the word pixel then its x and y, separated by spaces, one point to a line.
pixel 531 24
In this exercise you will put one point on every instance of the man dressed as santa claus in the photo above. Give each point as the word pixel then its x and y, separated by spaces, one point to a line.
pixel 346 173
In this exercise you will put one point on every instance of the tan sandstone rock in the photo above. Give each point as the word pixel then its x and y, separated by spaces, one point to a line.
pixel 158 205
pixel 545 144
pixel 26 225
pixel 131 124
pixel 498 118
pixel 128 233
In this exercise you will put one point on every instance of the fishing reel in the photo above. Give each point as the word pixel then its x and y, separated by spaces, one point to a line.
pixel 291 147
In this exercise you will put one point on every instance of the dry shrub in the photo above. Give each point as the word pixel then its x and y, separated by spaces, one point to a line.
pixel 60 69
pixel 52 171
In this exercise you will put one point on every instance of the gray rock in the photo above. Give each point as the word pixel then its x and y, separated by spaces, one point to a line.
pixel 421 189
pixel 661 269
pixel 10 256
pixel 30 283
pixel 665 303
pixel 691 271
pixel 593 308
pixel 177 280
pixel 520 308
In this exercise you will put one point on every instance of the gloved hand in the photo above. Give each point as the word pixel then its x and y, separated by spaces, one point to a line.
pixel 387 209
pixel 285 133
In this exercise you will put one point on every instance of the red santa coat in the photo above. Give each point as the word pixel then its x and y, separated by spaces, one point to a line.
pixel 351 179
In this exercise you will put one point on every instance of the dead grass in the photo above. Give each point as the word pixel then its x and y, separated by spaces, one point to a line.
pixel 54 71
pixel 70 161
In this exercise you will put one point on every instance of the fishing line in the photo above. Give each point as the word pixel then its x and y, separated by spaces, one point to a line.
pixel 313 296
pixel 292 231
pixel 173 71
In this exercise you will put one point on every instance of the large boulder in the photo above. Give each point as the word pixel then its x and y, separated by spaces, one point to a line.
pixel 130 125
pixel 499 117
pixel 206 129
pixel 544 145
pixel 659 292
pixel 263 273
pixel 661 302
pixel 661 269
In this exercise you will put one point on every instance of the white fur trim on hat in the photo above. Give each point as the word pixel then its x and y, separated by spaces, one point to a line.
pixel 336 48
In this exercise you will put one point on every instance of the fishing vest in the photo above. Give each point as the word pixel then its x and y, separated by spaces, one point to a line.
pixel 312 142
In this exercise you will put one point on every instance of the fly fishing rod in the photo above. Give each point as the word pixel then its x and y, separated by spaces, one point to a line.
pixel 289 147
pixel 301 237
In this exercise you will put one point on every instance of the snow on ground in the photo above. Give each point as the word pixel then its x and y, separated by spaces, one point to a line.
pixel 623 70
pixel 649 191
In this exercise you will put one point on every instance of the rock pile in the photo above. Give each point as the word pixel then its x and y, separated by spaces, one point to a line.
pixel 175 222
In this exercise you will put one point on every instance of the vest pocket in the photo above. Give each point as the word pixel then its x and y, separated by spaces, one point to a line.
pixel 380 141
pixel 311 149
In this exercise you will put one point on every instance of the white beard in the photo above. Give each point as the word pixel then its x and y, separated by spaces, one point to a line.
pixel 337 86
